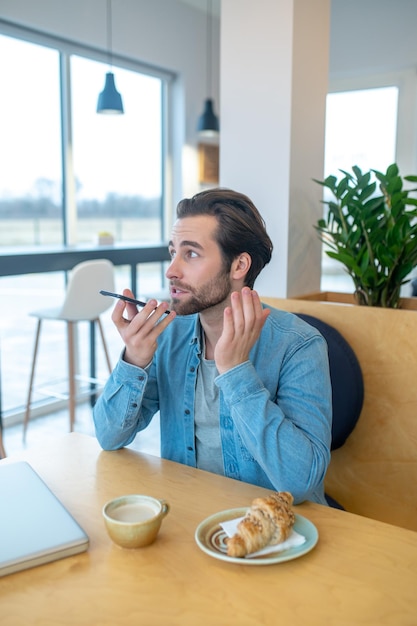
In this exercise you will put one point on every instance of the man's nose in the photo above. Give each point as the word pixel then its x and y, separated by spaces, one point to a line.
pixel 173 270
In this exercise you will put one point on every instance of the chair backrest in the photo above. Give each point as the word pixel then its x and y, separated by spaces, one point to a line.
pixel 83 300
pixel 347 381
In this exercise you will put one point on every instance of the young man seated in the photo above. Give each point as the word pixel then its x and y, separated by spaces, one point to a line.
pixel 243 390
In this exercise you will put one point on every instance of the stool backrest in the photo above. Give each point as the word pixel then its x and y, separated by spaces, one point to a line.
pixel 83 300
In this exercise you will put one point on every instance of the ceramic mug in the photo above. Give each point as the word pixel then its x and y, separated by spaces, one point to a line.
pixel 133 521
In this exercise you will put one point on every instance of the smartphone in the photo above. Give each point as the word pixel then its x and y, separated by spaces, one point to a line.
pixel 125 298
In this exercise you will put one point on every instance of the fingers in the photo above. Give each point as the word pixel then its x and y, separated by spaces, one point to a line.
pixel 242 324
pixel 131 309
pixel 141 334
pixel 124 312
pixel 140 330
pixel 247 313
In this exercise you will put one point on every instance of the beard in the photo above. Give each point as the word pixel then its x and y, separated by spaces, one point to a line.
pixel 213 292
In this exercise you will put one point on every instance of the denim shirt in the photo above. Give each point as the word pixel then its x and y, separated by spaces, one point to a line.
pixel 275 409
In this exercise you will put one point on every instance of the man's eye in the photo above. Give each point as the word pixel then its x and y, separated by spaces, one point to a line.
pixel 171 253
pixel 192 254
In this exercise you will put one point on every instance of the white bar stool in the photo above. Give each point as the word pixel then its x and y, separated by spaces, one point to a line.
pixel 83 302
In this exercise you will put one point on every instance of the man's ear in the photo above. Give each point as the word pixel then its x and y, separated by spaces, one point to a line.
pixel 241 265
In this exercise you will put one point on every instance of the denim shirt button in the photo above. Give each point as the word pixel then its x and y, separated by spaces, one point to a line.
pixel 134 405
pixel 187 411
pixel 141 378
pixel 190 448
pixel 192 368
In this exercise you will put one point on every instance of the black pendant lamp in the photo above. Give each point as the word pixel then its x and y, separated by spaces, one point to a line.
pixel 109 100
pixel 208 122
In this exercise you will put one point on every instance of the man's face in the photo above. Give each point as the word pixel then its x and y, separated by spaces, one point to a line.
pixel 198 278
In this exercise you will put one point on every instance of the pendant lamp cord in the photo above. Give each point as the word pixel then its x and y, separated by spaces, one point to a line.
pixel 109 34
pixel 209 44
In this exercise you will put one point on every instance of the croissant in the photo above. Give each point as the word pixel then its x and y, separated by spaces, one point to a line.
pixel 268 521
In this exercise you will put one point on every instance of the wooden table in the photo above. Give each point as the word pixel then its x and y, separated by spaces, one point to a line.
pixel 361 571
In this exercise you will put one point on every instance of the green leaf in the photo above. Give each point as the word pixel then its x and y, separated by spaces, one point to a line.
pixel 392 170
pixel 373 235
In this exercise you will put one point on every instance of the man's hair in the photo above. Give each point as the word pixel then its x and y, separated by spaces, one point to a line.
pixel 240 226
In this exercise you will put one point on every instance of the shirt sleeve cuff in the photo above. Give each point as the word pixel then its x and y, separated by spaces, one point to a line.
pixel 239 382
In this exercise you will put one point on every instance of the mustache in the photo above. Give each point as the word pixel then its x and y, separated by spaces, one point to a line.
pixel 178 285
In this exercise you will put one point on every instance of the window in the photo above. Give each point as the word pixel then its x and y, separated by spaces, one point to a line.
pixel 122 192
pixel 114 164
pixel 52 141
pixel 30 146
pixel 361 129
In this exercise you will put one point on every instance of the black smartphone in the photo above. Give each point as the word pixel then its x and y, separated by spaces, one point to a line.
pixel 125 298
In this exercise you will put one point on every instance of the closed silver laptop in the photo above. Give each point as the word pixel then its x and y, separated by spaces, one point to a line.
pixel 35 527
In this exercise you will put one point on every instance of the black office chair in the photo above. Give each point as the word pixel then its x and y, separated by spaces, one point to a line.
pixel 347 385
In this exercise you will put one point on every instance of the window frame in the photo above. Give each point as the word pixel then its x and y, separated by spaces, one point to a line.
pixel 66 48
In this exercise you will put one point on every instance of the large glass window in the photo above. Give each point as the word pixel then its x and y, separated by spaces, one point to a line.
pixel 361 129
pixel 117 158
pixel 51 141
pixel 30 146
pixel 115 162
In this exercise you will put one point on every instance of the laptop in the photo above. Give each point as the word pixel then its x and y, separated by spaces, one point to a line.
pixel 35 527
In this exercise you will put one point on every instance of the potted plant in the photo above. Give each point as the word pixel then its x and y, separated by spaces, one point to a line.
pixel 371 228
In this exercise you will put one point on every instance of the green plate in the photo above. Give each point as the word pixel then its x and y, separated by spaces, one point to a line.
pixel 211 539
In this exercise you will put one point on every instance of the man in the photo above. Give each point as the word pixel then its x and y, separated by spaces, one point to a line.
pixel 242 390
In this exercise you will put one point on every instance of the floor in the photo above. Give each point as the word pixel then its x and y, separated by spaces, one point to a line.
pixel 43 428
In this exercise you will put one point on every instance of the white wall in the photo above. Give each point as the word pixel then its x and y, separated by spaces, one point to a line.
pixel 273 86
pixel 372 37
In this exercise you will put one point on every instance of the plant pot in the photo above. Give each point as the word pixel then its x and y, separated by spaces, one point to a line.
pixel 349 298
